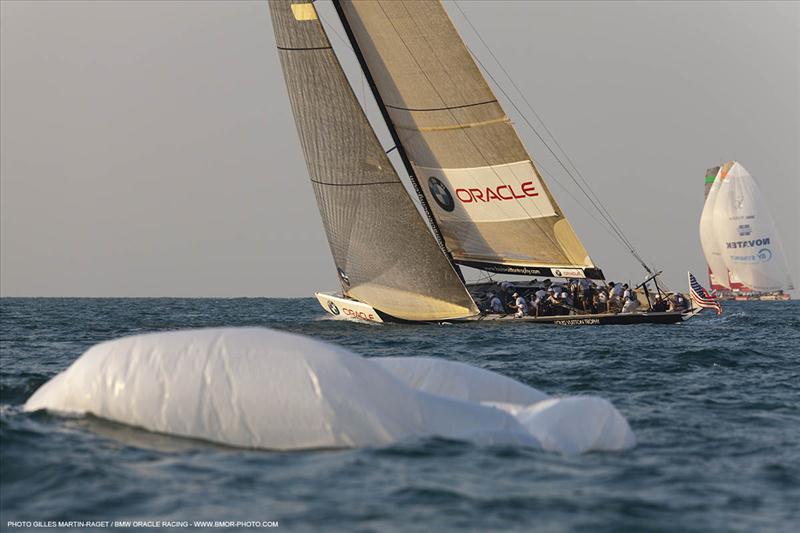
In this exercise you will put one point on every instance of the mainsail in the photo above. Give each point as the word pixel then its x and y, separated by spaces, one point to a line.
pixel 746 235
pixel 493 208
pixel 717 270
pixel 384 252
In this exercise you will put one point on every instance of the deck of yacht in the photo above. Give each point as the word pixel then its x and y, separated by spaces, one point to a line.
pixel 585 320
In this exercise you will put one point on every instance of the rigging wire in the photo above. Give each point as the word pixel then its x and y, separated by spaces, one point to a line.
pixel 552 178
pixel 344 40
pixel 457 121
pixel 349 46
pixel 530 107
pixel 593 198
pixel 610 225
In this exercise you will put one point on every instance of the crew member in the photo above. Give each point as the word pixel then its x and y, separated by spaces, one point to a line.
pixel 587 299
pixel 495 305
pixel 615 291
pixel 520 305
pixel 555 302
pixel 537 300
pixel 678 302
pixel 660 305
pixel 601 302
pixel 631 301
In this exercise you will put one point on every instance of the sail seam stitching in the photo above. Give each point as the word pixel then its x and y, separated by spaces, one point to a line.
pixel 447 108
pixel 355 184
pixel 306 48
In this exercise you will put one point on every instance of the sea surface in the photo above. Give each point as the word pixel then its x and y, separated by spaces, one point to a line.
pixel 714 403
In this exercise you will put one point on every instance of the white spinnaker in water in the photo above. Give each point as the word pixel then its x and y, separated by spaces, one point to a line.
pixel 459 381
pixel 746 233
pixel 708 236
pixel 260 388
pixel 569 425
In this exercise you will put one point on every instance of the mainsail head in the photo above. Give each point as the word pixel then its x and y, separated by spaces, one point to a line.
pixel 746 234
pixel 493 208
pixel 384 253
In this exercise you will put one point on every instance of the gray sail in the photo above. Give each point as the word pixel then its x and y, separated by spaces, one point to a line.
pixel 491 203
pixel 383 251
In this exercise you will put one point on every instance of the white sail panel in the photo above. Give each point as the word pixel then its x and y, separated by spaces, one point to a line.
pixel 486 194
pixel 716 280
pixel 746 233
pixel 708 236
pixel 737 284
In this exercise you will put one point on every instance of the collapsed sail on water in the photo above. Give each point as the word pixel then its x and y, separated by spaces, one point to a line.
pixel 383 251
pixel 494 210
pixel 746 235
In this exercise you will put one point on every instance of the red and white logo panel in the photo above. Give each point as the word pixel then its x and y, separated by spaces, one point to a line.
pixel 485 194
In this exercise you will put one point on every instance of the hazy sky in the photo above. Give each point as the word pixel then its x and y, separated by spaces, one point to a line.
pixel 148 148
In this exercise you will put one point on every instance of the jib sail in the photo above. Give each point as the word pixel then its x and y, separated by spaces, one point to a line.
pixel 384 252
pixel 491 204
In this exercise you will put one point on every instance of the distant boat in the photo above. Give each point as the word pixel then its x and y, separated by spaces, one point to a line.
pixel 486 204
pixel 746 260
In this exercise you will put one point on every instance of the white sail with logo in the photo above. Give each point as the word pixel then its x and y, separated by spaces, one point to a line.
pixel 747 237
pixel 718 271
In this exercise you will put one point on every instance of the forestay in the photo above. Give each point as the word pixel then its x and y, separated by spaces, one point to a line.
pixel 747 237
pixel 494 210
pixel 384 252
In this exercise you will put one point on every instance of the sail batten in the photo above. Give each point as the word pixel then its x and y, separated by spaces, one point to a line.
pixel 383 252
pixel 483 189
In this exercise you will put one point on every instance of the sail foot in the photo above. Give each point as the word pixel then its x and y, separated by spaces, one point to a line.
pixel 536 270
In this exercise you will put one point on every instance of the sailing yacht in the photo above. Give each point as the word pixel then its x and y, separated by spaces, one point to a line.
pixel 744 252
pixel 485 202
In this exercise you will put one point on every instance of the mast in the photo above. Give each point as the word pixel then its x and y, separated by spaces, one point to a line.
pixel 437 233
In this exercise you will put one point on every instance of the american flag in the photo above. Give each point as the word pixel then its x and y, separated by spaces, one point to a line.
pixel 700 296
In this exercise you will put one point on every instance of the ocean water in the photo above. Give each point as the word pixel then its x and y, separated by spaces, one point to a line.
pixel 714 403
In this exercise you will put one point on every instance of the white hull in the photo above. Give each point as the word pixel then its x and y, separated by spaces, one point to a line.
pixel 345 308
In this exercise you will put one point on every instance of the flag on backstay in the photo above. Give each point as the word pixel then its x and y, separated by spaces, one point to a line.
pixel 700 296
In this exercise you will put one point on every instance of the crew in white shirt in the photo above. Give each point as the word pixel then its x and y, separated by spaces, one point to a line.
pixel 521 305
pixel 631 302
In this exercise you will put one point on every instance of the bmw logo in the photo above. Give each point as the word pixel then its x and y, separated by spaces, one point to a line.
pixel 343 277
pixel 333 308
pixel 441 194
